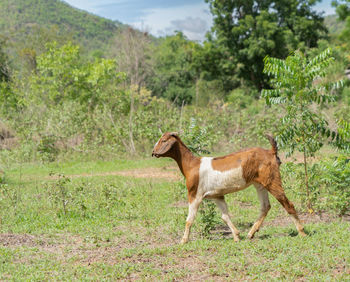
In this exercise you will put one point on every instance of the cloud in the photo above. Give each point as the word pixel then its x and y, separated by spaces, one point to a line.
pixel 164 21
pixel 195 25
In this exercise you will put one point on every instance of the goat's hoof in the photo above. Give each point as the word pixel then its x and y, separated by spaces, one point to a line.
pixel 183 241
pixel 250 236
pixel 302 234
pixel 236 239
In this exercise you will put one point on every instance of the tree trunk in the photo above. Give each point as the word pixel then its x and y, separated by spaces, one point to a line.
pixel 181 112
pixel 309 207
pixel 197 90
pixel 131 136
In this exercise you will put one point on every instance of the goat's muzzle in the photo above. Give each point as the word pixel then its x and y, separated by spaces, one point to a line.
pixel 155 155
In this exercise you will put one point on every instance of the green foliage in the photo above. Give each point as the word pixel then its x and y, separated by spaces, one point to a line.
pixel 343 142
pixel 174 76
pixel 207 218
pixel 58 101
pixel 346 94
pixel 333 25
pixel 208 92
pixel 2 178
pixel 4 61
pixel 9 194
pixel 298 84
pixel 197 139
pixel 240 97
pixel 18 17
pixel 335 179
pixel 6 97
pixel 244 32
pixel 73 199
pixel 343 12
pixel 342 8
pixel 61 75
pixel 329 182
pixel 59 194
pixel 47 149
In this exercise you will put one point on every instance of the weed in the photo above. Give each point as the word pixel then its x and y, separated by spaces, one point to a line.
pixel 59 194
pixel 207 218
pixel 111 197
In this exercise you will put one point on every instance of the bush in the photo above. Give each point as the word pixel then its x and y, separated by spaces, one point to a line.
pixel 346 95
pixel 329 184
pixel 334 179
pixel 240 97
pixel 207 218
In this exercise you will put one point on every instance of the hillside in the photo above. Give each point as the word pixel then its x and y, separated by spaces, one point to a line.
pixel 18 17
pixel 334 26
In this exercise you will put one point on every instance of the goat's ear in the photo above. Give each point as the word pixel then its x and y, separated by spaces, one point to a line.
pixel 175 134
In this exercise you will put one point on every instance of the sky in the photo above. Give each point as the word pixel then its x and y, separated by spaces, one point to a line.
pixel 163 17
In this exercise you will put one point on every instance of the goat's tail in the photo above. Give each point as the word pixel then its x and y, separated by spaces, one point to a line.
pixel 274 147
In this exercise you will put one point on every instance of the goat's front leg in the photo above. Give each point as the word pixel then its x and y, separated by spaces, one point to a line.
pixel 192 211
pixel 221 203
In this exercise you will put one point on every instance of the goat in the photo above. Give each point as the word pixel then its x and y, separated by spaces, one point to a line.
pixel 212 178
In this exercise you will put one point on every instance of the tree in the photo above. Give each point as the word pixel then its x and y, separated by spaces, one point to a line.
pixel 298 86
pixel 35 43
pixel 61 76
pixel 343 11
pixel 174 76
pixel 7 99
pixel 247 30
pixel 4 62
pixel 133 52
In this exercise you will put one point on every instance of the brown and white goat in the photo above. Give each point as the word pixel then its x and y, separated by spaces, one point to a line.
pixel 212 178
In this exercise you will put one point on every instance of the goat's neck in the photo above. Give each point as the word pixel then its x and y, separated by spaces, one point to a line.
pixel 184 158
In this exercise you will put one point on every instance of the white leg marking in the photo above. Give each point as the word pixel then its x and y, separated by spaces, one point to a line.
pixel 221 203
pixel 298 225
pixel 192 211
pixel 264 208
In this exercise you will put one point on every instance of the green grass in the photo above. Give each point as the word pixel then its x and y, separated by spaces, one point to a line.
pixel 18 172
pixel 119 227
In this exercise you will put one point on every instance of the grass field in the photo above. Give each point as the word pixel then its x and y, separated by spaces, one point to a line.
pixel 124 220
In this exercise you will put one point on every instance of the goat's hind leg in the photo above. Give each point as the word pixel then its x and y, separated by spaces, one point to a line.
pixel 264 209
pixel 221 203
pixel 277 191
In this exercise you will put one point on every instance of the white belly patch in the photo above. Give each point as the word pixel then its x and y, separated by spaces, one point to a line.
pixel 214 182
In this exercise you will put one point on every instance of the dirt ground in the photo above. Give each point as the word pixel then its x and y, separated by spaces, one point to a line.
pixel 170 173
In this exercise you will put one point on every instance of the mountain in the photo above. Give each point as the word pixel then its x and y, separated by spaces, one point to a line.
pixel 20 18
pixel 334 26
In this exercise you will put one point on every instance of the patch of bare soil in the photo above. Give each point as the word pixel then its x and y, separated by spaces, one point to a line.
pixel 168 173
pixel 86 250
pixel 17 240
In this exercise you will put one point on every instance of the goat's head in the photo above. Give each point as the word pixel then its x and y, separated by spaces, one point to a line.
pixel 165 144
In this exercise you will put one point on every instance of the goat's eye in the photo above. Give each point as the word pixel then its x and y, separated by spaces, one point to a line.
pixel 163 141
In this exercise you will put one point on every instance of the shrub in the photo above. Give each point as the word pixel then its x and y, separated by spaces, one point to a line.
pixel 240 98
pixel 334 179
pixel 329 183
pixel 207 218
